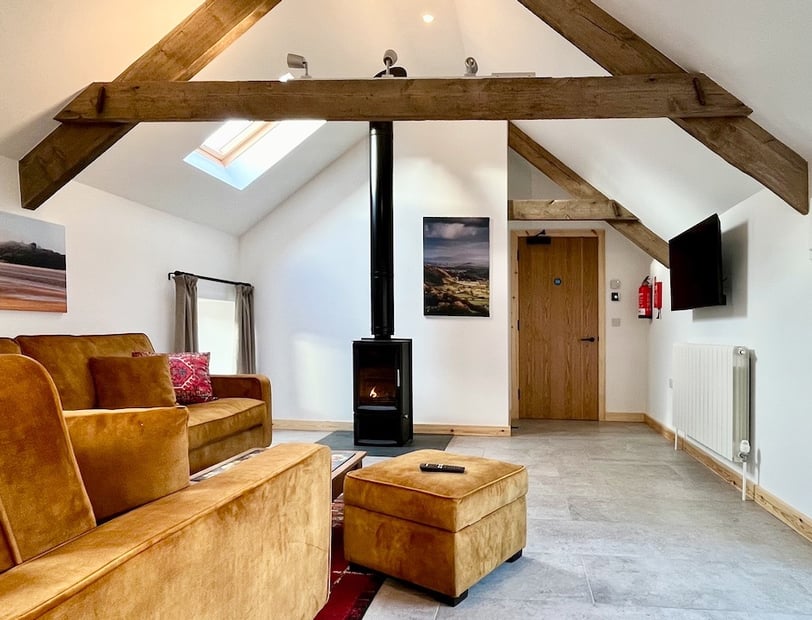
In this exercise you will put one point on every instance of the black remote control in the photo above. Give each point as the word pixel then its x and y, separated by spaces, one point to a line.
pixel 441 467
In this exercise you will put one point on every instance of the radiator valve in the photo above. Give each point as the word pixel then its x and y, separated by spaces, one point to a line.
pixel 744 450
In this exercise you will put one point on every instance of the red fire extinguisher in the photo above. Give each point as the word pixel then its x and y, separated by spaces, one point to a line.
pixel 644 299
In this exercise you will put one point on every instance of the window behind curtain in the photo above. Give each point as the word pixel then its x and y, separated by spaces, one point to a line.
pixel 217 326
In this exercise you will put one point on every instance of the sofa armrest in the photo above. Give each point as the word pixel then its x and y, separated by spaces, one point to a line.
pixel 128 457
pixel 253 541
pixel 242 386
pixel 246 386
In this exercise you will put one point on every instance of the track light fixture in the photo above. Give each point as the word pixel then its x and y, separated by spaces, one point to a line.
pixel 297 61
pixel 390 57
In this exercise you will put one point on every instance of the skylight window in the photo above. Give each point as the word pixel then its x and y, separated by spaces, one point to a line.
pixel 240 151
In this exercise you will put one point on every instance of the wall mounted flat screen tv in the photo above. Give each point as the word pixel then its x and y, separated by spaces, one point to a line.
pixel 696 266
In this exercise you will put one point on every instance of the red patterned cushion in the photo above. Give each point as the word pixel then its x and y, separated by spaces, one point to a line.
pixel 190 376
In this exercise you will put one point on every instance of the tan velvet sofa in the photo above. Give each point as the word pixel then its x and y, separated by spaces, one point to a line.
pixel 239 419
pixel 251 542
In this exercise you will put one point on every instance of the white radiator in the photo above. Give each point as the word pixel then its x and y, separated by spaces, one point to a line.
pixel 712 395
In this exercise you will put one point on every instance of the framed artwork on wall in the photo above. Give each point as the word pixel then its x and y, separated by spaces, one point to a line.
pixel 32 265
pixel 456 266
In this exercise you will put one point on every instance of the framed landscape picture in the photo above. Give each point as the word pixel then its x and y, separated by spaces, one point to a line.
pixel 32 265
pixel 456 266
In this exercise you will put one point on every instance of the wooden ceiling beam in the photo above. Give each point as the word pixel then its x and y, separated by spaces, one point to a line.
pixel 739 141
pixel 645 239
pixel 565 177
pixel 182 53
pixel 217 23
pixel 637 96
pixel 577 209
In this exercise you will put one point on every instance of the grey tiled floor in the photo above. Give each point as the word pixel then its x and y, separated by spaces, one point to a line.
pixel 622 526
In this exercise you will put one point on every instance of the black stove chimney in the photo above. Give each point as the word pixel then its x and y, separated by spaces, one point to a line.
pixel 381 236
pixel 382 365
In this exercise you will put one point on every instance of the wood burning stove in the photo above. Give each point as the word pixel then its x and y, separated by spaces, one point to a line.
pixel 382 365
pixel 382 401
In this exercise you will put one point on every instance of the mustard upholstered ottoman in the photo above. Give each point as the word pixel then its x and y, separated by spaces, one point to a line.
pixel 441 531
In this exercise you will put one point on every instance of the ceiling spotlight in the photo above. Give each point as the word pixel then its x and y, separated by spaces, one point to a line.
pixel 296 61
pixel 471 67
pixel 428 18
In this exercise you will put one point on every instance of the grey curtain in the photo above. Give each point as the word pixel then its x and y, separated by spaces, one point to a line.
pixel 185 313
pixel 246 351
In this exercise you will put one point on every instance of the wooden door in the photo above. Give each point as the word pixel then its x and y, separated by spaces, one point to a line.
pixel 558 329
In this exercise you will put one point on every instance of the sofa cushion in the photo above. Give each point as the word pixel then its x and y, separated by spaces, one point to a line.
pixel 66 359
pixel 148 450
pixel 42 500
pixel 132 382
pixel 8 345
pixel 190 376
pixel 215 420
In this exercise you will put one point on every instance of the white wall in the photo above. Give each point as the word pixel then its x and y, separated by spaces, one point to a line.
pixel 526 181
pixel 767 262
pixel 310 261
pixel 627 343
pixel 118 255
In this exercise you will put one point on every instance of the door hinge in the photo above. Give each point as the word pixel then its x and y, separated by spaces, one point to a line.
pixel 517 325
pixel 520 394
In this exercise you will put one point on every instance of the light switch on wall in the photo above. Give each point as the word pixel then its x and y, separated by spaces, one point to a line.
pixel 615 322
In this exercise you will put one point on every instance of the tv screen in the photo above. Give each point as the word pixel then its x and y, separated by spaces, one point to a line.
pixel 696 266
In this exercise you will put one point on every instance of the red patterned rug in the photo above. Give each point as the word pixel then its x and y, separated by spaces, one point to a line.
pixel 351 591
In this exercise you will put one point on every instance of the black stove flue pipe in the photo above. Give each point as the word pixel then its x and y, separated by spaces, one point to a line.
pixel 381 230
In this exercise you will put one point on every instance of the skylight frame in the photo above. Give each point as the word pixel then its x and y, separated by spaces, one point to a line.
pixel 251 151
pixel 235 146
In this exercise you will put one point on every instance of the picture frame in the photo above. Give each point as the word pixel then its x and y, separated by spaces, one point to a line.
pixel 33 274
pixel 456 266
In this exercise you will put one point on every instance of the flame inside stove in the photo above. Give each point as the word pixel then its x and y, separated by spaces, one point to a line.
pixel 373 393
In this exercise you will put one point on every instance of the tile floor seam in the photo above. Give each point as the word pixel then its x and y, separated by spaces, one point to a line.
pixel 586 577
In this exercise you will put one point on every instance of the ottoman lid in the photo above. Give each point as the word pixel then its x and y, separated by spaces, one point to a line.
pixel 447 501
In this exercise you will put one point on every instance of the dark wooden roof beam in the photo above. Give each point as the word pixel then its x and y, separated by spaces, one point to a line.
pixel 740 141
pixel 577 209
pixel 639 96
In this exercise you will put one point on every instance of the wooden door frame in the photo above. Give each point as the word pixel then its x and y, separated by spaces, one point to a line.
pixel 598 233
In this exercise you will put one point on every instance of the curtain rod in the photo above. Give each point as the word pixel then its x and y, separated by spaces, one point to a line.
pixel 194 275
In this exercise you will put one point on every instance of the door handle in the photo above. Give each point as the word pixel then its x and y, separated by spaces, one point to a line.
pixel 590 339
